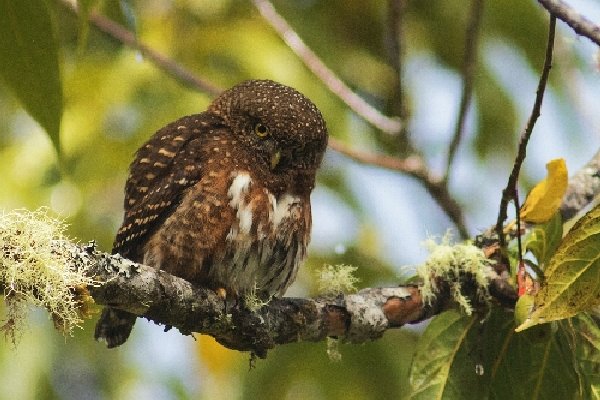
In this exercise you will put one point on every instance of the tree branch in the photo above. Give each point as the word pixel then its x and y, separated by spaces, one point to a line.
pixel 414 166
pixel 172 301
pixel 583 188
pixel 326 75
pixel 510 191
pixel 580 24
pixel 469 65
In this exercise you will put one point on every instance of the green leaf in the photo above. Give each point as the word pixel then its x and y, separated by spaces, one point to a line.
pixel 523 308
pixel 441 366
pixel 572 277
pixel 544 239
pixel 85 9
pixel 535 364
pixel 29 62
pixel 539 363
pixel 587 349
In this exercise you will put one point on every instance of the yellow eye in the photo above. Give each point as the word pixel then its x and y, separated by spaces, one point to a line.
pixel 261 130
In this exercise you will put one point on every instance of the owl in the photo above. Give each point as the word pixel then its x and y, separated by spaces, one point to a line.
pixel 222 198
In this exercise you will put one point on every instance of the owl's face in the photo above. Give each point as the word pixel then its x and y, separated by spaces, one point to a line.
pixel 275 123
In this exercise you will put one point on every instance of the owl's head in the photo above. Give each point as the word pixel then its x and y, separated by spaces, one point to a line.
pixel 276 123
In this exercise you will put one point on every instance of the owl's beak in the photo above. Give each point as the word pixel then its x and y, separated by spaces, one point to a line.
pixel 275 158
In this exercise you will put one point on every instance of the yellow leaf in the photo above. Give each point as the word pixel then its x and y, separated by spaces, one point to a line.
pixel 217 359
pixel 224 367
pixel 545 198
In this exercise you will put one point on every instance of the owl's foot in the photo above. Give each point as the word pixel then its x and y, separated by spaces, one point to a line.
pixel 222 293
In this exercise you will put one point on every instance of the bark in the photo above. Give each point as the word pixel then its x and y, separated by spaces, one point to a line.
pixel 174 302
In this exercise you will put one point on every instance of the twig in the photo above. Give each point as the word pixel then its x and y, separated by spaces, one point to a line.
pixel 469 65
pixel 415 167
pixel 395 19
pixel 576 21
pixel 166 64
pixel 510 191
pixel 326 75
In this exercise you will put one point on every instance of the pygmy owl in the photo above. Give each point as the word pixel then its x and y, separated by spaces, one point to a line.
pixel 222 198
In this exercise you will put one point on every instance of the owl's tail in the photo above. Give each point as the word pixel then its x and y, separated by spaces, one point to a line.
pixel 114 326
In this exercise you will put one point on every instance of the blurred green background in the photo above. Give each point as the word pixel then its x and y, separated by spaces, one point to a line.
pixel 114 99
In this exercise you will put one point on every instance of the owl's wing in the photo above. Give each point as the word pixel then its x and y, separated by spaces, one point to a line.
pixel 162 169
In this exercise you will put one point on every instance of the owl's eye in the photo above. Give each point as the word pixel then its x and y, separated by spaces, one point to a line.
pixel 261 130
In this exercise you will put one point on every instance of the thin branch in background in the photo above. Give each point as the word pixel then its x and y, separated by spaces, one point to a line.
pixel 414 166
pixel 576 21
pixel 166 64
pixel 326 75
pixel 511 187
pixel 395 18
pixel 468 72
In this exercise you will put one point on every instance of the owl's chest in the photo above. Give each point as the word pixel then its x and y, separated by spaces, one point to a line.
pixel 266 241
pixel 231 232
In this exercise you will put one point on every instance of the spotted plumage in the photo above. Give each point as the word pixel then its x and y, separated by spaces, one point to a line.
pixel 222 198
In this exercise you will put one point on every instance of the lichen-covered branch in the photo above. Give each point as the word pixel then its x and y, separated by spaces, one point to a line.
pixel 172 301
pixel 36 267
pixel 354 318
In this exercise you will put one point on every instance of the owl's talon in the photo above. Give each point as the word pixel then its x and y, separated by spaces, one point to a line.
pixel 222 294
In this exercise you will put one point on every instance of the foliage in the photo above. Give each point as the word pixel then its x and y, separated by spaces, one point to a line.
pixel 572 276
pixel 29 62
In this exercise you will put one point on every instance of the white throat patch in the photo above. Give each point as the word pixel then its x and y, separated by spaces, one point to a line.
pixel 237 192
pixel 282 208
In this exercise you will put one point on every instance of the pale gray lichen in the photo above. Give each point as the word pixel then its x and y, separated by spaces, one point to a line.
pixel 38 267
pixel 337 279
pixel 451 263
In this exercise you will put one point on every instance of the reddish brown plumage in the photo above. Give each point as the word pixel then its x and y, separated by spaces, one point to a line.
pixel 221 198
